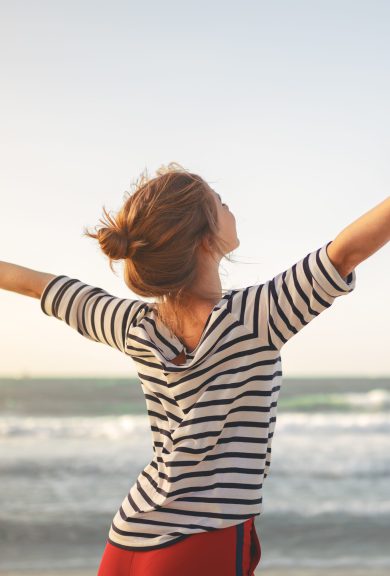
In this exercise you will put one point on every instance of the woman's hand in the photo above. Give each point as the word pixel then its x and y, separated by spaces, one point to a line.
pixel 23 280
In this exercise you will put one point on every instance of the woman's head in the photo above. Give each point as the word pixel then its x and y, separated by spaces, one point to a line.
pixel 166 230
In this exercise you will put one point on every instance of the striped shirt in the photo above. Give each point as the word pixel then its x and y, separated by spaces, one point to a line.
pixel 213 417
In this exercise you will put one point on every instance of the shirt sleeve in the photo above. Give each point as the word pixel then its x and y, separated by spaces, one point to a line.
pixel 90 310
pixel 299 294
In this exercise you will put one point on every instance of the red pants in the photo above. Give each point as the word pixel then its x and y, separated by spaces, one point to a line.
pixel 231 551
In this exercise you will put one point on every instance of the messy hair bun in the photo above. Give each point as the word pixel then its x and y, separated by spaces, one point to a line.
pixel 113 243
pixel 114 238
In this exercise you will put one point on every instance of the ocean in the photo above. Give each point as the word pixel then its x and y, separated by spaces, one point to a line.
pixel 71 448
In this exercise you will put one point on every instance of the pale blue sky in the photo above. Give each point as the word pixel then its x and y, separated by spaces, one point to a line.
pixel 282 106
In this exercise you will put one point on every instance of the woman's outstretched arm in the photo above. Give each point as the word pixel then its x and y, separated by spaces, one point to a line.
pixel 361 239
pixel 23 280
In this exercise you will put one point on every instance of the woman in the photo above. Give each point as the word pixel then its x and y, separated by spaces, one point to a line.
pixel 208 361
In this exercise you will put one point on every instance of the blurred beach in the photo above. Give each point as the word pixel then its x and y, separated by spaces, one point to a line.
pixel 72 448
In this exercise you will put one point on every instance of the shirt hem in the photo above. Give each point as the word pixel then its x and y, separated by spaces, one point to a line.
pixel 45 292
pixel 123 547
pixel 170 542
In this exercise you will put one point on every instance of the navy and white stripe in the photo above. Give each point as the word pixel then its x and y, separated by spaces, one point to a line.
pixel 91 311
pixel 212 418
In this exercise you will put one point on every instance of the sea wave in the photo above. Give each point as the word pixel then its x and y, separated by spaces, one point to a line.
pixel 376 400
pixel 137 426
pixel 109 427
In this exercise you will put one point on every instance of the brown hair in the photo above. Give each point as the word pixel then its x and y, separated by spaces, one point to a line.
pixel 157 233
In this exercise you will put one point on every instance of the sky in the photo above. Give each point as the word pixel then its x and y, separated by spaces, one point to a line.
pixel 281 106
